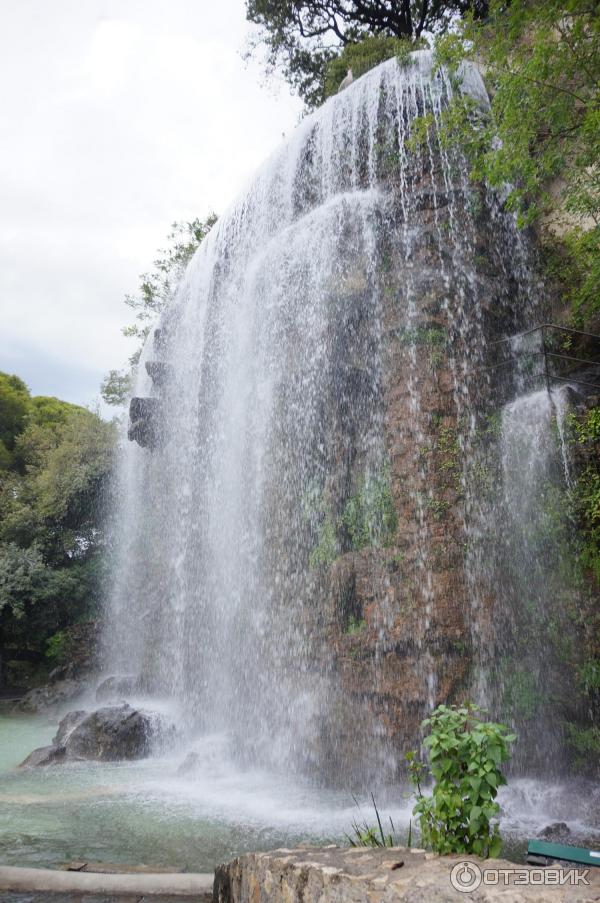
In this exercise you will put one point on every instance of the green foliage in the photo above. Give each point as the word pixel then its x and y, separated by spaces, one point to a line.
pixel 326 550
pixel 116 387
pixel 355 625
pixel 465 756
pixel 541 136
pixel 58 647
pixel 48 412
pixel 449 453
pixel 521 695
pixel 369 516
pixel 543 67
pixel 51 495
pixel 21 572
pixel 364 835
pixel 302 38
pixel 585 497
pixel 589 675
pixel 368 519
pixel 15 404
pixel 585 743
pixel 573 262
pixel 433 336
pixel 588 429
pixel 54 503
pixel 157 288
pixel 438 507
pixel 363 56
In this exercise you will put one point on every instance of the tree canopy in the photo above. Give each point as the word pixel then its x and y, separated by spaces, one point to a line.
pixel 302 37
pixel 158 285
pixel 542 137
pixel 56 459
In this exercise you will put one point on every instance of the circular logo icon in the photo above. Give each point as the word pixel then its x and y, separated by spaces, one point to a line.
pixel 465 876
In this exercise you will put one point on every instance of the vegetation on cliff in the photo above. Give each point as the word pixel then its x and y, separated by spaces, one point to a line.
pixel 313 42
pixel 55 458
pixel 583 504
pixel 541 64
pixel 156 291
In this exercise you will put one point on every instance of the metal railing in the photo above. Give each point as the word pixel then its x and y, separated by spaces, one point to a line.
pixel 553 350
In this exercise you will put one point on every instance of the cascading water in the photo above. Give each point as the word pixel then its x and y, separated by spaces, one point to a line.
pixel 291 564
pixel 351 503
pixel 535 558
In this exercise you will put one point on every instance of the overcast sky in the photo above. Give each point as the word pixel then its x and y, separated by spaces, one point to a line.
pixel 117 117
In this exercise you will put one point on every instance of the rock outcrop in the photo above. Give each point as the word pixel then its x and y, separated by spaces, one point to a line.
pixel 145 422
pixel 68 680
pixel 109 734
pixel 51 697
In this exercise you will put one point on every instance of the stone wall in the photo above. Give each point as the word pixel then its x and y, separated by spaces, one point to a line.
pixel 356 875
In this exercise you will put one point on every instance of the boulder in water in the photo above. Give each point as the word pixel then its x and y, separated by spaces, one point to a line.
pixel 112 733
pixel 67 726
pixel 45 755
pixel 108 735
pixel 557 832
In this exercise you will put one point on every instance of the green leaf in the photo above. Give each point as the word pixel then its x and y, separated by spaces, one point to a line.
pixel 495 847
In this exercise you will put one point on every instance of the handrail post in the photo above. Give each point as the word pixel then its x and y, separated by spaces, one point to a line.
pixel 547 375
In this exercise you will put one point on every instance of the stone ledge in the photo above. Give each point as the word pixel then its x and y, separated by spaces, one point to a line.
pixel 50 881
pixel 358 875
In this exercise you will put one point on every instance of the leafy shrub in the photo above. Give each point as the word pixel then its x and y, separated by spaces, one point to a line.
pixel 465 756
pixel 58 646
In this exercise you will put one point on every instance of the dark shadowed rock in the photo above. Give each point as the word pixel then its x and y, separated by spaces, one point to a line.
pixel 117 688
pixel 112 733
pixel 145 417
pixel 159 372
pixel 556 832
pixel 108 734
pixel 45 755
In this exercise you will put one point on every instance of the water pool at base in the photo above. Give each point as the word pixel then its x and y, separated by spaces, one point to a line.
pixel 143 813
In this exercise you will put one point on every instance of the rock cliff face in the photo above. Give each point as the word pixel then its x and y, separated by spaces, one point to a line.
pixel 407 612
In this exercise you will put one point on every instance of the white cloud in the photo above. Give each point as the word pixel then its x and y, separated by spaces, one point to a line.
pixel 116 119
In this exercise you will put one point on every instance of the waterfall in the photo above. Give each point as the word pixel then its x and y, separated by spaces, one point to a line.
pixel 536 561
pixel 290 562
